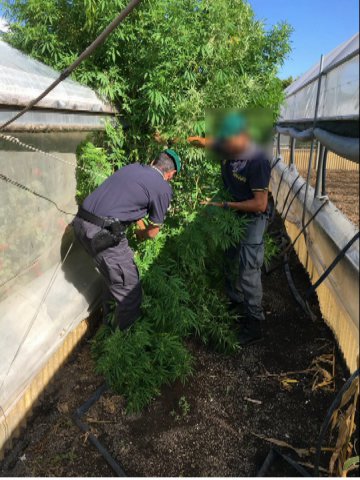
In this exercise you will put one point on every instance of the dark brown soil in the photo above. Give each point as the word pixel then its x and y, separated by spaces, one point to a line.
pixel 207 427
pixel 343 190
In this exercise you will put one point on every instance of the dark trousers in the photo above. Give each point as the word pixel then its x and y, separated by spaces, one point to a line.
pixel 243 265
pixel 121 276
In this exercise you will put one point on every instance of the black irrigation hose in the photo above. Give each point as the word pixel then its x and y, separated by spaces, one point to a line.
pixel 280 182
pixel 84 427
pixel 335 404
pixel 273 454
pixel 292 200
pixel 275 163
pixel 292 244
pixel 331 267
pixel 288 195
pixel 305 227
pixel 303 304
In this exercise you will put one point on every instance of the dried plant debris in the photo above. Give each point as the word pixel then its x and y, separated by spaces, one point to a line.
pixel 301 452
pixel 319 375
pixel 344 458
pixel 324 372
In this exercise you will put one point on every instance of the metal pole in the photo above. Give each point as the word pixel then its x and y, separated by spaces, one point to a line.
pixel 318 148
pixel 292 151
pixel 312 141
pixel 278 145
pixel 323 191
pixel 319 173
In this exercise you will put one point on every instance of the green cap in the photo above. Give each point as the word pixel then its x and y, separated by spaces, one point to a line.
pixel 233 124
pixel 175 157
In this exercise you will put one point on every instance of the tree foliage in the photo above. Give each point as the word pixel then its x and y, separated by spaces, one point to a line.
pixel 287 81
pixel 169 63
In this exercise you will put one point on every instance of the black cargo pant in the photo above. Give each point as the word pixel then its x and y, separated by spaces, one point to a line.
pixel 243 265
pixel 117 266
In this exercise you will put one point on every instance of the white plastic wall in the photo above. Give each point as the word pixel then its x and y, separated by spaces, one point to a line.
pixel 42 297
pixel 22 79
pixel 339 94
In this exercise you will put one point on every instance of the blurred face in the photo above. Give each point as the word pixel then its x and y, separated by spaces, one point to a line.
pixel 237 143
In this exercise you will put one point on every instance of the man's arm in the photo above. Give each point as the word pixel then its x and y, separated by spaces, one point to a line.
pixel 201 142
pixel 258 204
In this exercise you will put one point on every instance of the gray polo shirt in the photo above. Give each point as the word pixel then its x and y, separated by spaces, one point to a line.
pixel 130 194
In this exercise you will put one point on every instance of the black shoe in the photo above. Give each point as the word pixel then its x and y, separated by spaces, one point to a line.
pixel 250 332
pixel 236 307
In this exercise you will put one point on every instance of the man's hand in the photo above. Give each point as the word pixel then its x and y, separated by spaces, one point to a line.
pixel 212 204
pixel 147 233
pixel 141 225
pixel 258 204
pixel 199 141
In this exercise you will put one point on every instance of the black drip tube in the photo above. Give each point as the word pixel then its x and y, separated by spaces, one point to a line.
pixel 333 264
pixel 84 427
pixel 302 303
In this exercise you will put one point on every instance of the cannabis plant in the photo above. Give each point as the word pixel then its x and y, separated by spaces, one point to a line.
pixel 170 62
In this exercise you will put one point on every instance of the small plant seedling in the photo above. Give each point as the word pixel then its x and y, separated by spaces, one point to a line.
pixel 175 415
pixel 184 406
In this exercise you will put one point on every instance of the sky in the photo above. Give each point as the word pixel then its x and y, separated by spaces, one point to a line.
pixel 319 26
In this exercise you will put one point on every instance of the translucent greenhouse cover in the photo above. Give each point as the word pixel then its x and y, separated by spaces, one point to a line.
pixel 23 79
pixel 48 285
pixel 339 94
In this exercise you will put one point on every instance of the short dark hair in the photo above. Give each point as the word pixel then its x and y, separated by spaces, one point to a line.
pixel 164 163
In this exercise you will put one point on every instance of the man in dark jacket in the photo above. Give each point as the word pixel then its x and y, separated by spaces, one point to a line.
pixel 129 195
pixel 245 171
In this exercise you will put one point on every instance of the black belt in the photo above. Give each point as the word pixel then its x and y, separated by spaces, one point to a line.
pixel 102 222
pixel 111 234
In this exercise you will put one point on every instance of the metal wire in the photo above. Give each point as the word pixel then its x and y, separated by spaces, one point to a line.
pixel 17 141
pixel 39 195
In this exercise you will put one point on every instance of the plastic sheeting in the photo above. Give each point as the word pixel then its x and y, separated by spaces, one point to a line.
pixel 339 94
pixel 22 79
pixel 326 235
pixel 50 120
pixel 45 288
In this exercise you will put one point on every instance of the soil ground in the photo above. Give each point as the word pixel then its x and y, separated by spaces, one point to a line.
pixel 207 427
pixel 343 190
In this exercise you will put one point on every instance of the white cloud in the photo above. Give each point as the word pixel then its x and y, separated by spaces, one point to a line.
pixel 4 27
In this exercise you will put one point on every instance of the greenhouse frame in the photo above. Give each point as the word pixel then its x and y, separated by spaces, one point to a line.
pixel 47 284
pixel 322 107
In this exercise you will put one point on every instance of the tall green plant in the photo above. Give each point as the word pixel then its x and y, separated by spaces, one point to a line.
pixel 169 62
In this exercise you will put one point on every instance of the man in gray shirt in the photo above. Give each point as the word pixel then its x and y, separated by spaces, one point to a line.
pixel 129 195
